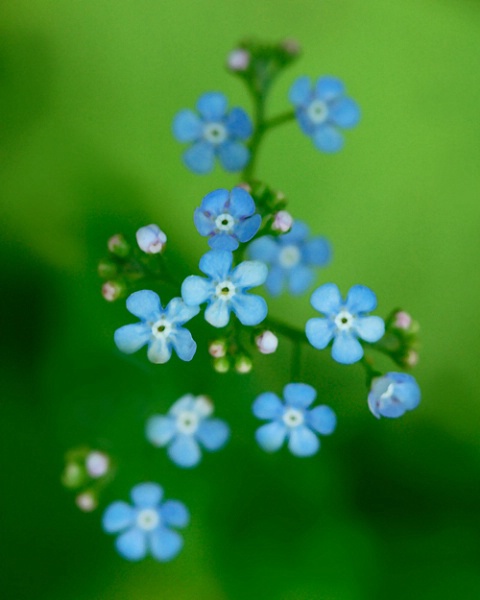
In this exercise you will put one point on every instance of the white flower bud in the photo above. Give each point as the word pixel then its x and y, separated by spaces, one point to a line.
pixel 282 221
pixel 243 364
pixel 238 60
pixel 402 320
pixel 97 464
pixel 86 502
pixel 217 349
pixel 151 239
pixel 267 342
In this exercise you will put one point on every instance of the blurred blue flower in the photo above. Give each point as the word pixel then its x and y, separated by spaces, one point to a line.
pixel 187 426
pixel 227 218
pixel 345 321
pixel 292 420
pixel 290 258
pixel 225 290
pixel 160 329
pixel 322 110
pixel 145 527
pixel 215 133
pixel 393 394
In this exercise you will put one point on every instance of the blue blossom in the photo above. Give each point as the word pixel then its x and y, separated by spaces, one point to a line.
pixel 227 218
pixel 292 420
pixel 160 329
pixel 187 426
pixel 393 394
pixel 322 110
pixel 225 290
pixel 344 321
pixel 215 132
pixel 290 258
pixel 146 527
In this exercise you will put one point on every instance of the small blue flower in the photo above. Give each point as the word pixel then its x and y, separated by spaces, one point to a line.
pixel 160 329
pixel 227 218
pixel 322 110
pixel 291 420
pixel 393 394
pixel 187 426
pixel 345 321
pixel 145 527
pixel 215 133
pixel 225 290
pixel 290 258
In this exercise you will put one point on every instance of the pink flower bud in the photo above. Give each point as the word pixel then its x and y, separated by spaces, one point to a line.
pixel 112 290
pixel 97 464
pixel 238 60
pixel 118 245
pixel 282 221
pixel 217 349
pixel 402 320
pixel 267 342
pixel 151 239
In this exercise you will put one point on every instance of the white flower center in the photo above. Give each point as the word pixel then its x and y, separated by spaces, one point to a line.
pixel 317 112
pixel 344 320
pixel 224 222
pixel 293 417
pixel 215 133
pixel 148 519
pixel 388 393
pixel 289 256
pixel 225 290
pixel 162 328
pixel 187 422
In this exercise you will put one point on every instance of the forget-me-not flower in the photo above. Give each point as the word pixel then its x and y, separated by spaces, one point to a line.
pixel 146 527
pixel 322 110
pixel 188 426
pixel 160 328
pixel 293 420
pixel 225 289
pixel 344 321
pixel 290 258
pixel 227 218
pixel 215 132
pixel 393 394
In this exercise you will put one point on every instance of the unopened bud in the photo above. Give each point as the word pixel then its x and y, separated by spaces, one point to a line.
pixel 107 269
pixel 217 348
pixel 238 60
pixel 411 359
pixel 267 342
pixel 151 239
pixel 73 475
pixel 245 186
pixel 86 502
pixel 221 365
pixel 402 320
pixel 97 464
pixel 118 245
pixel 291 47
pixel 112 290
pixel 243 364
pixel 282 221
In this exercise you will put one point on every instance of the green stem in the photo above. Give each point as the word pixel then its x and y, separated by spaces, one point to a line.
pixel 296 360
pixel 296 335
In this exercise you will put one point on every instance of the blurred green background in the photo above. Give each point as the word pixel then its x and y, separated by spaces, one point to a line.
pixel 388 509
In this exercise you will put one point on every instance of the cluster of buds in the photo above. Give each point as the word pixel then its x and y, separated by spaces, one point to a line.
pixel 227 355
pixel 401 339
pixel 271 205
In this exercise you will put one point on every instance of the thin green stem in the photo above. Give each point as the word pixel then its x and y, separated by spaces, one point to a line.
pixel 296 360
pixel 296 335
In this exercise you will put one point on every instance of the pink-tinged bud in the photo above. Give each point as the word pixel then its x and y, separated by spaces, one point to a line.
pixel 291 46
pixel 221 365
pixel 112 290
pixel 151 239
pixel 402 320
pixel 97 464
pixel 412 358
pixel 282 221
pixel 217 348
pixel 238 60
pixel 118 245
pixel 267 342
pixel 245 186
pixel 243 364
pixel 86 502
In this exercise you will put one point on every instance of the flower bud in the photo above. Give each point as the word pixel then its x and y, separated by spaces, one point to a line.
pixel 393 394
pixel 291 47
pixel 245 186
pixel 282 221
pixel 243 364
pixel 151 239
pixel 97 464
pixel 107 269
pixel 402 320
pixel 411 359
pixel 238 60
pixel 86 501
pixel 112 290
pixel 217 348
pixel 267 342
pixel 118 245
pixel 221 365
pixel 73 475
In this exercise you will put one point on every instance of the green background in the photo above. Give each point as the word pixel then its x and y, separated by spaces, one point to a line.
pixel 388 509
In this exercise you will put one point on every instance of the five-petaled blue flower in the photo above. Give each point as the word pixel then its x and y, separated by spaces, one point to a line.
pixel 290 258
pixel 225 290
pixel 227 218
pixel 145 527
pixel 215 133
pixel 322 110
pixel 160 329
pixel 345 321
pixel 293 420
pixel 187 426
pixel 393 394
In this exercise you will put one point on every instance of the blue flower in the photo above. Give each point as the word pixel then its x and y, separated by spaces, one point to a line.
pixel 187 426
pixel 160 329
pixel 290 258
pixel 292 420
pixel 225 289
pixel 322 110
pixel 393 394
pixel 215 133
pixel 145 527
pixel 227 218
pixel 345 321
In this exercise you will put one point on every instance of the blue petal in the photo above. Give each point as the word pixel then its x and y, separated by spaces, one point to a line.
pixel 174 514
pixel 268 406
pixel 213 433
pixel 223 241
pixel 247 228
pixel 346 349
pixel 271 436
pixel 303 442
pixel 132 544
pixel 317 252
pixel 406 389
pixel 299 395
pixel 146 495
pixel 178 312
pixel 360 299
pixel 199 158
pixel 159 351
pixel 300 92
pixel 196 290
pixel 145 305
pixel 233 156
pixel 298 233
pixel 328 88
pixel 264 248
pixel 275 280
pixel 249 273
pixel 160 430
pixel 214 202
pixel 216 264
pixel 204 224
pixel 306 125
pixel 345 113
pixel 184 451
pixel 327 299
pixel 328 139
pixel 300 279
pixel 250 310
pixel 187 127
pixel 186 402
pixel 117 516
pixel 218 313
pixel 131 338
pixel 319 332
pixel 212 106
pixel 183 344
pixel 241 204
pixel 239 124
pixel 322 419
pixel 165 544
pixel 370 329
